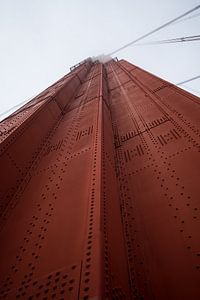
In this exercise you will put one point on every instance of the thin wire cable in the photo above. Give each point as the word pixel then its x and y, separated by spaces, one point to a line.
pixel 185 19
pixel 13 107
pixel 19 105
pixel 191 38
pixel 155 30
pixel 188 80
pixel 183 39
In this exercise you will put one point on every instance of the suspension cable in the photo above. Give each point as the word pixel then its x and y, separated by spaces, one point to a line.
pixel 188 80
pixel 191 38
pixel 185 19
pixel 155 30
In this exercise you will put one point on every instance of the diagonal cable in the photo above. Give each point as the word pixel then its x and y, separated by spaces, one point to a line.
pixel 188 80
pixel 191 38
pixel 187 18
pixel 155 30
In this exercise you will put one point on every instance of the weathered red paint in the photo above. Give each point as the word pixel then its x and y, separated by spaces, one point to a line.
pixel 100 189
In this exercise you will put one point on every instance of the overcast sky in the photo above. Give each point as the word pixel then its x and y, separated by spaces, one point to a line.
pixel 41 39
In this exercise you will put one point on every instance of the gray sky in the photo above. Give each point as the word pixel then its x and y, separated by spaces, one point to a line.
pixel 41 39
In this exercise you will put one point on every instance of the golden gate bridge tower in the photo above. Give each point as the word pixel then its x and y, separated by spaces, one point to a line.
pixel 99 194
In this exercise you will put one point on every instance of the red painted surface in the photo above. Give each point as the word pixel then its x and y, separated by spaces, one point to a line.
pixel 100 189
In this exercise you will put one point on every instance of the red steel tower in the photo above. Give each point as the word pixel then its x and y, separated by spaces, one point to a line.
pixel 100 189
